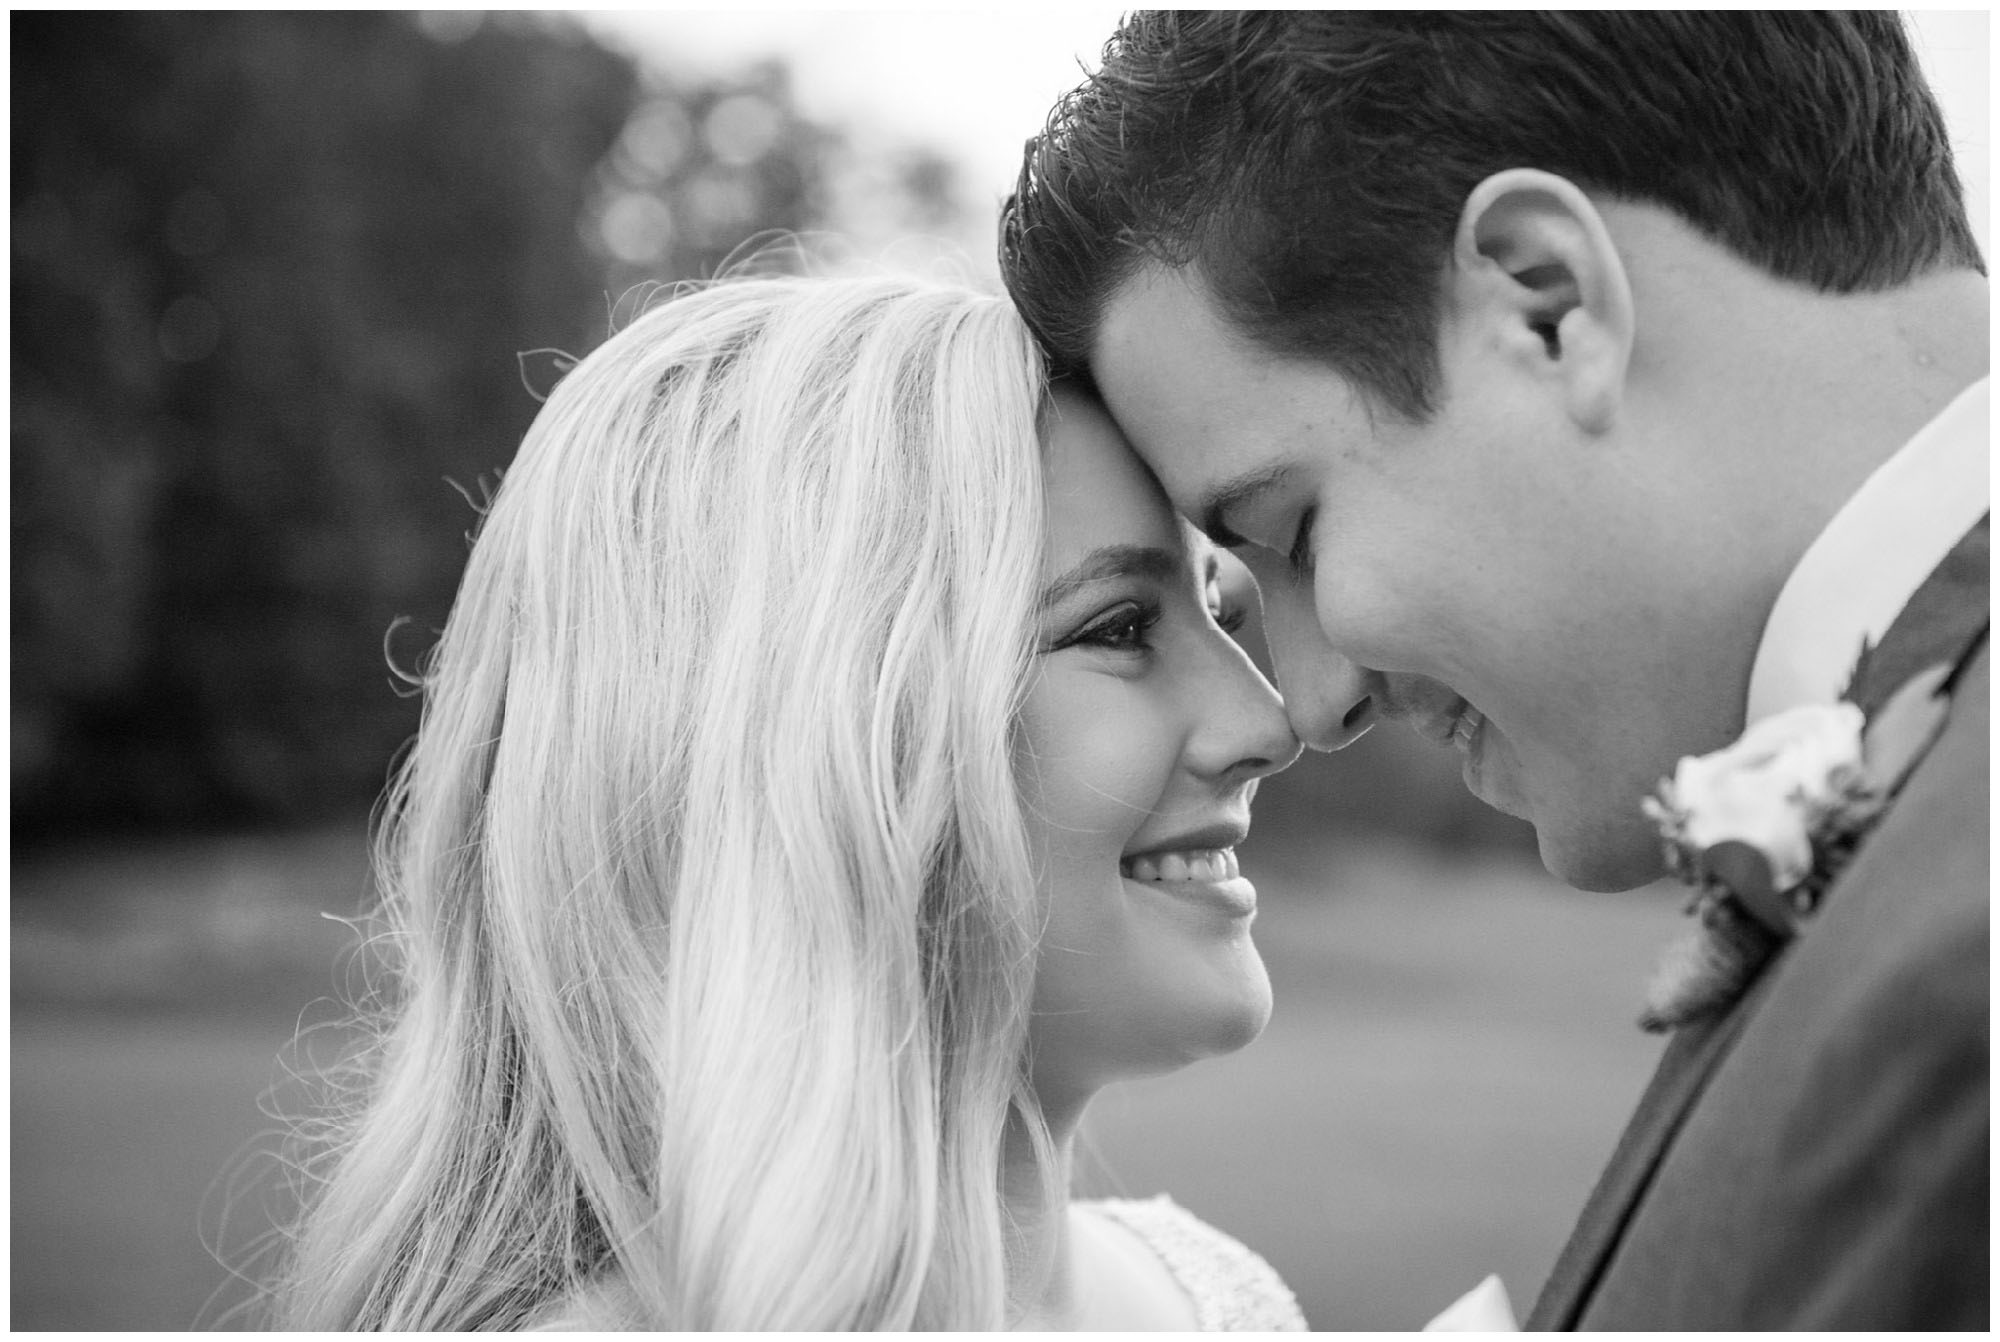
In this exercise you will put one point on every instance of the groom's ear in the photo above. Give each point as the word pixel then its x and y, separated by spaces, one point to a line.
pixel 1533 263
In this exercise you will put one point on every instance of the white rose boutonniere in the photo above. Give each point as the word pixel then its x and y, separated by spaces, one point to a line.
pixel 1754 816
pixel 1761 828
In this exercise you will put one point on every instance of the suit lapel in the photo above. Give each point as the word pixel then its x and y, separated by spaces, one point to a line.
pixel 1944 621
pixel 1684 1069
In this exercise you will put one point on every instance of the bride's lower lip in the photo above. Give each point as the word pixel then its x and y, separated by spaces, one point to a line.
pixel 1234 896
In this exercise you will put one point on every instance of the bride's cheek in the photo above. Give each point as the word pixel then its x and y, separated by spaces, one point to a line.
pixel 1092 767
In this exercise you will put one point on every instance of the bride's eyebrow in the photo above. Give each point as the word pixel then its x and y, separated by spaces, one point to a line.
pixel 1114 561
pixel 1212 513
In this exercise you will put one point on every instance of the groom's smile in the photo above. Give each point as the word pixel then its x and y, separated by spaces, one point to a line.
pixel 1445 718
pixel 1489 771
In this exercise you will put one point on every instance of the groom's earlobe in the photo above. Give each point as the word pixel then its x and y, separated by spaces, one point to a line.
pixel 1532 256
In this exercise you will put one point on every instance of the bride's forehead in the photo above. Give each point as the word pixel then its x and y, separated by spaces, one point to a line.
pixel 1099 492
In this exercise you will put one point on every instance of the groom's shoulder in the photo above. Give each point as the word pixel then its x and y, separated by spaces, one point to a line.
pixel 1833 1172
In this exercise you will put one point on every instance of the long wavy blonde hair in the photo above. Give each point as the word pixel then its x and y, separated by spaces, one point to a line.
pixel 706 881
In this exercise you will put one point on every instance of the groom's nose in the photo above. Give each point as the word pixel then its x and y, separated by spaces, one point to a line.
pixel 1335 704
pixel 1331 700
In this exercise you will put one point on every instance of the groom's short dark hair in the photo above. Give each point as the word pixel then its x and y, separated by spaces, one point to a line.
pixel 1311 165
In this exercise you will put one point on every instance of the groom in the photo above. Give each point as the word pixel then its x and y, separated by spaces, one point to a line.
pixel 1583 389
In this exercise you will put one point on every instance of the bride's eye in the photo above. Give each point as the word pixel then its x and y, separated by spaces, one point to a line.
pixel 1123 628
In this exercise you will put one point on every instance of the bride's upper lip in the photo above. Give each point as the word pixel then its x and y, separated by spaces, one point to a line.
pixel 1221 834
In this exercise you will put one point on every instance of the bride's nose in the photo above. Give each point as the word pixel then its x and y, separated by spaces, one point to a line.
pixel 1242 731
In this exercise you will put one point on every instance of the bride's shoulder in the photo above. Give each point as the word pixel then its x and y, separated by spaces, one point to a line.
pixel 1231 1286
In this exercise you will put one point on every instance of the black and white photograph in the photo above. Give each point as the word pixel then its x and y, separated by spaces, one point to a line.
pixel 950 669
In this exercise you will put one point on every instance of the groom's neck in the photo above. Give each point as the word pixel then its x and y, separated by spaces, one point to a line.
pixel 1856 375
pixel 1867 370
pixel 1841 382
pixel 1772 400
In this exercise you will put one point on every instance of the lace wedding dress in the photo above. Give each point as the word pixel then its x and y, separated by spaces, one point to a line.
pixel 1233 1290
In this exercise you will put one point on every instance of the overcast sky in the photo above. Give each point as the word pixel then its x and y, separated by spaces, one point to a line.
pixel 976 83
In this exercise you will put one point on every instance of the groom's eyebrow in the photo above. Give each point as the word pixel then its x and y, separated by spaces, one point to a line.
pixel 1212 513
pixel 1114 561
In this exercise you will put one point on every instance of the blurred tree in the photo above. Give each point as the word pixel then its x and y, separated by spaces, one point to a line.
pixel 701 177
pixel 698 173
pixel 271 276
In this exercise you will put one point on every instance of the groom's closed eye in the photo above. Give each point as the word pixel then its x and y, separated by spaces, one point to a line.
pixel 1241 493
pixel 1301 555
pixel 1218 531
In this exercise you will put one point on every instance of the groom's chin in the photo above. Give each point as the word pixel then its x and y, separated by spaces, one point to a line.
pixel 1585 842
pixel 1608 856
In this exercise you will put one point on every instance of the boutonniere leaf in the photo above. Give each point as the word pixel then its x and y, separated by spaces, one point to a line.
pixel 1905 727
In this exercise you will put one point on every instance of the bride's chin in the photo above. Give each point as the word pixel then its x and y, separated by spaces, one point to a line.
pixel 1240 1028
pixel 1183 1010
pixel 1232 1013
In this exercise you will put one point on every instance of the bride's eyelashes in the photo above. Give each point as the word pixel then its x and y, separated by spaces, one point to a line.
pixel 1123 628
pixel 1128 627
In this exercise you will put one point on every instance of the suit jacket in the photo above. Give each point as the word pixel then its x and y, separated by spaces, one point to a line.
pixel 1817 1157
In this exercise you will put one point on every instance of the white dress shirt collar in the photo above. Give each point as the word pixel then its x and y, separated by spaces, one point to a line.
pixel 1854 580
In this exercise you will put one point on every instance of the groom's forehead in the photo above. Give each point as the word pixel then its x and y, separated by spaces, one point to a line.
pixel 1168 365
pixel 1163 313
pixel 1220 421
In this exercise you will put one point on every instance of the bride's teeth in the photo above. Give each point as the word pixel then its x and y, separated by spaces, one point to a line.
pixel 1198 864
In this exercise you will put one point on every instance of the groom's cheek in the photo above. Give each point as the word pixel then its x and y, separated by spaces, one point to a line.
pixel 1589 826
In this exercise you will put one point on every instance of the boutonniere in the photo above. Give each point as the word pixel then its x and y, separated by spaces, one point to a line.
pixel 1763 827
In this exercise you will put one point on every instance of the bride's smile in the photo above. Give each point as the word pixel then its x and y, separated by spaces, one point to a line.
pixel 1144 732
pixel 1194 872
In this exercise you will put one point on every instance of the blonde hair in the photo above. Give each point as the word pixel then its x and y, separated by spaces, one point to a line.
pixel 706 879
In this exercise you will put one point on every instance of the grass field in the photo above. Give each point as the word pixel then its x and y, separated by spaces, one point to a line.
pixel 1449 1063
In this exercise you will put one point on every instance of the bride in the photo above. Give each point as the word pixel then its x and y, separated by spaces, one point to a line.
pixel 829 780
